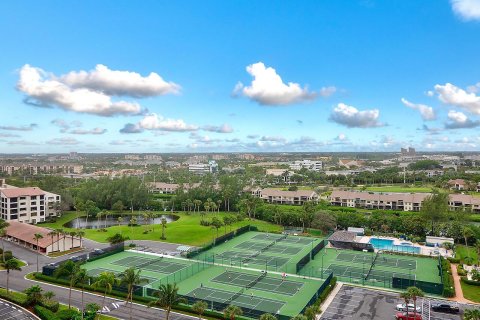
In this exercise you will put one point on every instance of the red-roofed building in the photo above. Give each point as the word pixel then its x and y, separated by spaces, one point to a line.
pixel 23 234
pixel 30 205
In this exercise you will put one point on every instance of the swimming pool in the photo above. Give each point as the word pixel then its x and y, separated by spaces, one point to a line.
pixel 386 244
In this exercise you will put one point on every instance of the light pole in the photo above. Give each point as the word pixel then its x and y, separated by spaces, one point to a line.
pixel 409 274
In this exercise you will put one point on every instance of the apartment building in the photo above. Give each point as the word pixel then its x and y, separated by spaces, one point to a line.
pixel 398 201
pixel 298 197
pixel 457 184
pixel 203 168
pixel 29 205
pixel 34 169
pixel 307 164
pixel 170 188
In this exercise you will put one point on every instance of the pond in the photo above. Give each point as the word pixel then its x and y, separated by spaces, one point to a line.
pixel 112 220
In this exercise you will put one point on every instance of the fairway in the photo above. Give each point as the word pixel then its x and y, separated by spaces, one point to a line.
pixel 399 188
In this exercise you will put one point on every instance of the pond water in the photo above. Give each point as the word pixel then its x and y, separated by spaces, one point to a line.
pixel 112 220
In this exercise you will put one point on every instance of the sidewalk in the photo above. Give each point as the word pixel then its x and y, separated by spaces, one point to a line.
pixel 458 288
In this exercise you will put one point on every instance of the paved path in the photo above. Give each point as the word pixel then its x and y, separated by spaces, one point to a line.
pixel 10 311
pixel 458 288
pixel 19 283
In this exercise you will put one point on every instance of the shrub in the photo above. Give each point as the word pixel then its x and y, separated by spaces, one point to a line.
pixel 8 255
pixel 44 313
pixel 67 314
pixel 50 305
pixel 471 282
pixel 15 297
pixel 454 260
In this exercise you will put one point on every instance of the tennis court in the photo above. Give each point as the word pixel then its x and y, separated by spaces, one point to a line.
pixel 366 274
pixel 284 238
pixel 96 272
pixel 380 259
pixel 241 300
pixel 255 246
pixel 266 283
pixel 154 264
pixel 244 258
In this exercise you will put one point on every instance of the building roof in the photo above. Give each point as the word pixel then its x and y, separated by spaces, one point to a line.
pixel 19 192
pixel 343 236
pixel 25 232
pixel 287 194
pixel 457 181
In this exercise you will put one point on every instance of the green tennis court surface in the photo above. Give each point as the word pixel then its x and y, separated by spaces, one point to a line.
pixel 282 238
pixel 255 246
pixel 381 260
pixel 243 300
pixel 154 264
pixel 366 274
pixel 267 283
pixel 237 257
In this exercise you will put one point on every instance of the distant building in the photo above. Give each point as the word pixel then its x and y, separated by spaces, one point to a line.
pixel 132 157
pixel 169 188
pixel 408 152
pixel 457 184
pixel 203 168
pixel 307 164
pixel 246 156
pixel 348 163
pixel 30 205
pixel 34 169
pixel 298 197
pixel 152 157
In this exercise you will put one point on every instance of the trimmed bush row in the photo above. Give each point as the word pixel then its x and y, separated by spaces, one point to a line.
pixel 471 282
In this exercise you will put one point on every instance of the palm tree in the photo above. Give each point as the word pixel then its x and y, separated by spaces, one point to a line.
pixel 299 317
pixel 200 307
pixel 3 232
pixel 81 278
pixel 105 281
pixel 471 314
pixel 164 226
pixel 119 220
pixel 68 270
pixel 219 203
pixel 72 234
pixel 80 235
pixel 232 311
pixel 130 278
pixel 37 237
pixel 49 295
pixel 34 295
pixel 11 264
pixel 311 312
pixel 267 316
pixel 414 293
pixel 52 234
pixel 167 298
pixel 58 232
pixel 406 297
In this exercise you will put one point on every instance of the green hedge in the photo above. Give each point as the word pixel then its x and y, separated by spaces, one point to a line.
pixel 471 282
pixel 44 313
pixel 15 297
pixel 447 279
pixel 454 260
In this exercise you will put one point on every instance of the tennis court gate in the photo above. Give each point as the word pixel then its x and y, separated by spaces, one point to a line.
pixel 319 291
pixel 428 287
pixel 310 256
pixel 220 306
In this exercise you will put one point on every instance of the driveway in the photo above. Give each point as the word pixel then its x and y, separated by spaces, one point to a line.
pixel 9 311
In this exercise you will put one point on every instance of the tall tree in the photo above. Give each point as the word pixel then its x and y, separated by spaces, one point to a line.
pixel 82 278
pixel 471 314
pixel 130 278
pixel 415 293
pixel 434 208
pixel 3 231
pixel 37 237
pixel 199 307
pixel 34 295
pixel 105 281
pixel 80 235
pixel 11 264
pixel 69 271
pixel 167 298
pixel 164 226
pixel 231 312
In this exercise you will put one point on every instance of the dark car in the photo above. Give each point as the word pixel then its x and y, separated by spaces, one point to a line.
pixel 443 307
pixel 98 251
pixel 75 258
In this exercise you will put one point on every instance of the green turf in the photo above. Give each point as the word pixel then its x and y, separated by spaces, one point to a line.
pixel 463 252
pixel 470 292
pixel 274 258
pixel 349 266
pixel 186 230
pixel 399 188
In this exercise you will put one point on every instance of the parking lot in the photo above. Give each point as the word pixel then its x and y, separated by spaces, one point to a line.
pixel 12 312
pixel 360 303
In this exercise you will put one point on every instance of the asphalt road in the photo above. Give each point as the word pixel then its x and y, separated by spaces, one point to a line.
pixel 19 283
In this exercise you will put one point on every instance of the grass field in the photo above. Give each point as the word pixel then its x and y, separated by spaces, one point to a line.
pixel 471 292
pixel 281 257
pixel 399 188
pixel 354 266
pixel 463 252
pixel 186 230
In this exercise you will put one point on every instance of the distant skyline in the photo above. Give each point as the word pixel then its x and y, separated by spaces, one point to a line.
pixel 239 76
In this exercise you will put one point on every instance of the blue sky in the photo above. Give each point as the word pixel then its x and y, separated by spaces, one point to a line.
pixel 169 76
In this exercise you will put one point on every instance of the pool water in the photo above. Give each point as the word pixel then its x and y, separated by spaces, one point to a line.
pixel 386 244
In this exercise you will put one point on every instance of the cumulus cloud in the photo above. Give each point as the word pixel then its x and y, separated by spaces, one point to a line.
pixel 351 117
pixel 466 9
pixel 131 128
pixel 341 137
pixel 224 128
pixel 94 131
pixel 30 127
pixel 155 121
pixel 252 136
pixel 455 96
pixel 8 135
pixel 327 91
pixel 426 112
pixel 64 141
pixel 120 83
pixel 430 130
pixel 474 88
pixel 273 139
pixel 458 120
pixel 23 143
pixel 268 88
pixel 43 89
pixel 65 125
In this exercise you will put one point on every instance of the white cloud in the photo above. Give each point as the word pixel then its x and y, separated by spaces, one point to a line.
pixel 458 120
pixel 273 139
pixel 95 131
pixel 426 112
pixel 30 127
pixel 353 118
pixel 455 96
pixel 429 93
pixel 65 125
pixel 328 91
pixel 268 88
pixel 466 9
pixel 64 141
pixel 224 128
pixel 44 89
pixel 341 137
pixel 120 83
pixel 474 88
pixel 155 121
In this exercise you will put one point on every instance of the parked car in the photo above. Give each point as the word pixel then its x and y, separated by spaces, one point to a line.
pixel 75 258
pixel 446 308
pixel 409 316
pixel 98 251
pixel 403 307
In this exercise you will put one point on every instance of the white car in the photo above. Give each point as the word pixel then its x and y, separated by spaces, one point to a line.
pixel 403 307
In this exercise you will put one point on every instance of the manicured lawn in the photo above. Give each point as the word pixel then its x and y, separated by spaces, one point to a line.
pixel 462 252
pixel 398 189
pixel 471 292
pixel 186 230
pixel 474 217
